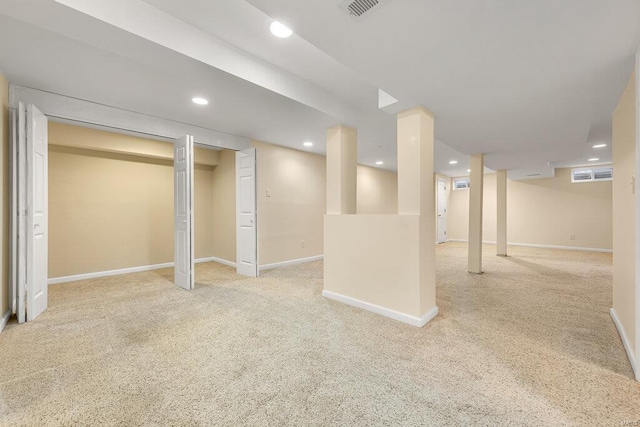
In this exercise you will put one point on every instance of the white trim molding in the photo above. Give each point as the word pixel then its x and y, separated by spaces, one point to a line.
pixel 536 245
pixel 291 262
pixel 5 319
pixel 218 260
pixel 387 312
pixel 76 277
pixel 625 342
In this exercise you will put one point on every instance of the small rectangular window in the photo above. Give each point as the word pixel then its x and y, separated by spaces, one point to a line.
pixel 602 173
pixel 461 183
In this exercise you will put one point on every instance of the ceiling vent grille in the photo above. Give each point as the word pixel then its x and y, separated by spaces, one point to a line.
pixel 357 9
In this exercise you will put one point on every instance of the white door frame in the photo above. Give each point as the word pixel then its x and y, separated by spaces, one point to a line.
pixel 246 214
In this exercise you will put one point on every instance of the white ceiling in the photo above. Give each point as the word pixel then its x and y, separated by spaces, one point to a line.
pixel 521 81
pixel 528 84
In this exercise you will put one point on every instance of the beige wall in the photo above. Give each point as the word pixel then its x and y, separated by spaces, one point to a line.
pixel 542 211
pixel 377 191
pixel 4 207
pixel 295 210
pixel 624 136
pixel 224 207
pixel 111 210
pixel 394 282
pixel 94 180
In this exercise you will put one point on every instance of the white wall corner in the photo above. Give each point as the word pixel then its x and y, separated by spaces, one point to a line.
pixel 387 312
pixel 5 319
pixel 625 342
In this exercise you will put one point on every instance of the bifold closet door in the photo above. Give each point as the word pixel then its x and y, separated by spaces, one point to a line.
pixel 183 212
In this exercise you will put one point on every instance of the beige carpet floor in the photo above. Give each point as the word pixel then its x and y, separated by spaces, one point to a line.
pixel 530 342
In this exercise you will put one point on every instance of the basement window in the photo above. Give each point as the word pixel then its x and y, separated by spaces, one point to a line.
pixel 461 183
pixel 603 173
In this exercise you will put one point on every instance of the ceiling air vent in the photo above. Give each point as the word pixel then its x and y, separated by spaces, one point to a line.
pixel 357 9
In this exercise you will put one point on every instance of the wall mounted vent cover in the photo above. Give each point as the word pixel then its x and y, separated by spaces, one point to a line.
pixel 359 9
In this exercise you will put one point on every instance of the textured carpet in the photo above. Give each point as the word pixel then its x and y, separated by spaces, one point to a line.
pixel 530 342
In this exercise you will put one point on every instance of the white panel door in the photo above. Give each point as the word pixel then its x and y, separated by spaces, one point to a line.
pixel 13 211
pixel 37 212
pixel 21 242
pixel 183 212
pixel 246 218
pixel 442 211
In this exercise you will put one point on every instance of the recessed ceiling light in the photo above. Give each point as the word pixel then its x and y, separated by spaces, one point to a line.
pixel 199 101
pixel 280 30
pixel 599 145
pixel 453 162
pixel 468 170
pixel 593 159
pixel 379 162
pixel 308 144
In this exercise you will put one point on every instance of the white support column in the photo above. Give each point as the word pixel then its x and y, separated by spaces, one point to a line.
pixel 501 229
pixel 475 213
pixel 342 163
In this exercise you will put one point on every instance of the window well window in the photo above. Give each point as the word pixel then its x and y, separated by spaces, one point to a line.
pixel 601 173
pixel 461 183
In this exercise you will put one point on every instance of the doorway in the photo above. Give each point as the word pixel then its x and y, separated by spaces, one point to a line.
pixel 145 170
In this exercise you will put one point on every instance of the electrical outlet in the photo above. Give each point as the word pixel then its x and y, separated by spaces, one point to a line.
pixel 572 237
pixel 303 243
pixel 268 192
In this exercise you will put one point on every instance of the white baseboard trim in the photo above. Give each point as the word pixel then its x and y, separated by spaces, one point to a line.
pixel 396 315
pixel 76 277
pixel 536 245
pixel 216 259
pixel 291 262
pixel 625 342
pixel 5 319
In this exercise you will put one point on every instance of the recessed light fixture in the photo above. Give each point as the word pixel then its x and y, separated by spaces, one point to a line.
pixel 453 162
pixel 599 145
pixel 308 144
pixel 199 101
pixel 593 159
pixel 468 170
pixel 280 30
pixel 379 162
